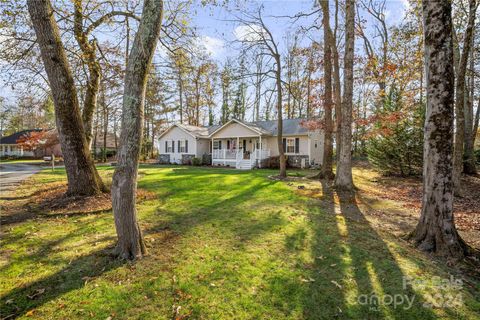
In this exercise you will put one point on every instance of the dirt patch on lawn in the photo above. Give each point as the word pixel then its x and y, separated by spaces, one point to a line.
pixel 50 201
pixel 408 193
pixel 393 204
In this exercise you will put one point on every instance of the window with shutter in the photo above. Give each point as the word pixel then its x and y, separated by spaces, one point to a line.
pixel 182 146
pixel 290 142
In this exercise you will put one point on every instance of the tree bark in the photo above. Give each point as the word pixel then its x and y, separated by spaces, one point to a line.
pixel 337 87
pixel 436 230
pixel 130 243
pixel 475 122
pixel 460 101
pixel 469 166
pixel 88 49
pixel 343 178
pixel 82 176
pixel 327 166
pixel 281 151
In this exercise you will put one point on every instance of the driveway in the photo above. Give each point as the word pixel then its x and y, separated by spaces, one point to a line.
pixel 13 174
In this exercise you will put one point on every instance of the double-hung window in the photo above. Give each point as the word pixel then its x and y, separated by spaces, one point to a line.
pixel 290 145
pixel 169 146
pixel 182 146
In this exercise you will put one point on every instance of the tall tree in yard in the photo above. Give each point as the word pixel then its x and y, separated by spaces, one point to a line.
pixel 343 178
pixel 327 170
pixel 436 230
pixel 130 243
pixel 82 176
pixel 460 100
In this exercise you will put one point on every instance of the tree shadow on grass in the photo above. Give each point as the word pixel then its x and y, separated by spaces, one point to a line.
pixel 20 300
pixel 223 210
pixel 355 275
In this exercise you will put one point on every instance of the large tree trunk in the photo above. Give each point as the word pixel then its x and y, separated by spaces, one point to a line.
pixel 460 100
pixel 337 87
pixel 475 122
pixel 130 243
pixel 343 178
pixel 327 166
pixel 469 166
pixel 93 83
pixel 436 230
pixel 281 151
pixel 82 176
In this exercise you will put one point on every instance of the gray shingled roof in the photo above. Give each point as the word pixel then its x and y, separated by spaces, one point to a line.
pixel 194 130
pixel 290 126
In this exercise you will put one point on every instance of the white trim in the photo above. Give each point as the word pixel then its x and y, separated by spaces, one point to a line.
pixel 176 125
pixel 286 145
pixel 239 122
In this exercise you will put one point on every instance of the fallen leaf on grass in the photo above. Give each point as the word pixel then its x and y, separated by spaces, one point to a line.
pixel 336 283
pixel 30 313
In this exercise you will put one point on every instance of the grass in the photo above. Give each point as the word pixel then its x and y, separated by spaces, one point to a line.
pixel 223 244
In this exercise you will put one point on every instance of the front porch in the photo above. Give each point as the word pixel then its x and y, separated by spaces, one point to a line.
pixel 239 152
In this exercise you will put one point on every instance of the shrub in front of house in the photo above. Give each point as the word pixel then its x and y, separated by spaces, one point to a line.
pixel 196 162
pixel 273 162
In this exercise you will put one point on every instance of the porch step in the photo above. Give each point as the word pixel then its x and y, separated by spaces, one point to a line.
pixel 245 165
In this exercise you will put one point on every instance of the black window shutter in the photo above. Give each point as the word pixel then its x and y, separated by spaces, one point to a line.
pixel 173 146
pixel 220 144
pixel 178 144
pixel 228 144
pixel 297 145
pixel 166 146
pixel 186 146
pixel 284 143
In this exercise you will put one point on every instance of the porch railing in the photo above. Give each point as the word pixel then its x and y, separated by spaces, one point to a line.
pixel 224 154
pixel 238 154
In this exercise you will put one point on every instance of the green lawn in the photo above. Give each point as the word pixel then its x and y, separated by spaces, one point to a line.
pixel 223 244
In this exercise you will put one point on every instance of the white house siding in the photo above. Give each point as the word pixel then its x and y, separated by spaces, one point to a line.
pixel 272 144
pixel 234 130
pixel 316 147
pixel 14 150
pixel 203 147
pixel 177 134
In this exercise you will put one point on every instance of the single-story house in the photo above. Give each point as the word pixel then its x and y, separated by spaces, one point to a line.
pixel 240 144
pixel 9 146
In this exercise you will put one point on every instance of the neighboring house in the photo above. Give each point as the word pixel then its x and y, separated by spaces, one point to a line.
pixel 111 144
pixel 243 145
pixel 10 148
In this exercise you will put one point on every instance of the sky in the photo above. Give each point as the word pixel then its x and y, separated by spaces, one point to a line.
pixel 216 32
